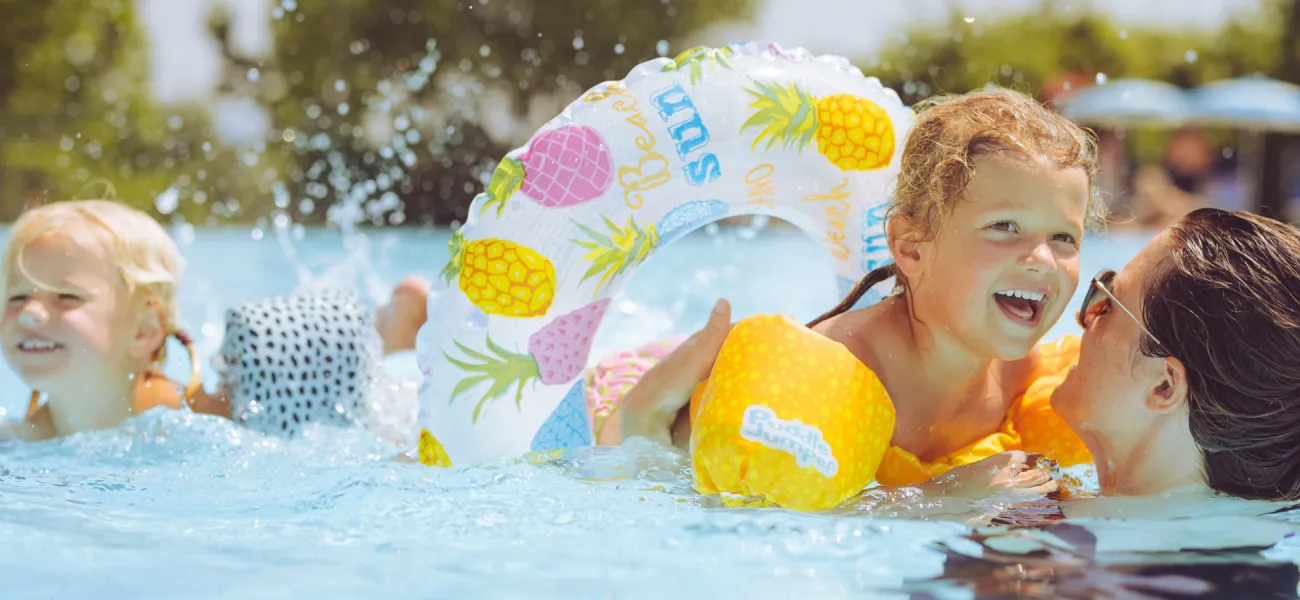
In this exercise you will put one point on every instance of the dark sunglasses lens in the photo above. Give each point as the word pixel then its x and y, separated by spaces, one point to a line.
pixel 1094 300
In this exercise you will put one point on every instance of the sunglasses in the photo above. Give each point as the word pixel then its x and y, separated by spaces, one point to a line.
pixel 1097 304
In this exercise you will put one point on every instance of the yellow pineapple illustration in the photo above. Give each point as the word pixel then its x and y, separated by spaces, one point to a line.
pixel 501 277
pixel 854 133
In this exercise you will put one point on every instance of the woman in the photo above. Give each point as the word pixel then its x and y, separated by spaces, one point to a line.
pixel 1188 374
pixel 1189 369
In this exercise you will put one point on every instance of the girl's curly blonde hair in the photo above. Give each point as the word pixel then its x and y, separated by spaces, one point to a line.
pixel 938 160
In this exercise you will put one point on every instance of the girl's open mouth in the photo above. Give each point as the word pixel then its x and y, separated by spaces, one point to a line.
pixel 38 346
pixel 1021 306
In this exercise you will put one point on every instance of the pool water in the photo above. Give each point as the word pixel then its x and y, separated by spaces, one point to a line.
pixel 174 505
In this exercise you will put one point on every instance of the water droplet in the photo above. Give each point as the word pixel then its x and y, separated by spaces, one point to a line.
pixel 289 5
pixel 1123 34
pixel 344 108
pixel 1102 79
pixel 184 234
pixel 578 42
pixel 281 194
pixel 200 197
pixel 1190 56
pixel 662 47
pixel 288 135
pixel 207 146
pixel 257 234
pixel 969 19
pixel 277 13
pixel 254 74
pixel 66 144
pixel 281 221
pixel 168 201
pixel 340 85
pixel 619 48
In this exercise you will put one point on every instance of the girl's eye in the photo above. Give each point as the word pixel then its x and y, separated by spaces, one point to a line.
pixel 1006 226
pixel 1065 237
pixel 69 298
pixel 17 298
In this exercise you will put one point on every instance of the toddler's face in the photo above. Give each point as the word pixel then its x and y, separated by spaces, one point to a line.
pixel 63 328
pixel 1005 262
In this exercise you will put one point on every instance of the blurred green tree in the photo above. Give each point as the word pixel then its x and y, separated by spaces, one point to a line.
pixel 408 105
pixel 1038 51
pixel 76 113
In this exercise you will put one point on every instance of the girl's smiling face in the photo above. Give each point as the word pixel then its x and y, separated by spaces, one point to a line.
pixel 64 326
pixel 1005 261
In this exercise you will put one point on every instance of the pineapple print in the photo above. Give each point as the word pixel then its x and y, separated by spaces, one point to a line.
pixel 695 59
pixel 501 277
pixel 622 248
pixel 565 166
pixel 854 133
pixel 556 354
pixel 431 452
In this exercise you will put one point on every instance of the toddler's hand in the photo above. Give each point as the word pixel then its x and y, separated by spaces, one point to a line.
pixel 653 404
pixel 1012 472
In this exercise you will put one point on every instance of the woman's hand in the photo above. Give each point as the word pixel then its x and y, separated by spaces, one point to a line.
pixel 652 406
pixel 1013 471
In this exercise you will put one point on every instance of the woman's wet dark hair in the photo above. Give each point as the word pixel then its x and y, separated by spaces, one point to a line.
pixel 1226 303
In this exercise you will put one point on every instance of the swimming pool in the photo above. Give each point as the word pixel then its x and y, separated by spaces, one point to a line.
pixel 178 506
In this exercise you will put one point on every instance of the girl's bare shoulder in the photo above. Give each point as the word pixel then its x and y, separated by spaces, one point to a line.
pixel 864 332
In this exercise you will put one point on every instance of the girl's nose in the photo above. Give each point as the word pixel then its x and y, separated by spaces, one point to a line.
pixel 33 315
pixel 1039 259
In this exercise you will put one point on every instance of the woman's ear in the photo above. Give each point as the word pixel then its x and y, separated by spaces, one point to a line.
pixel 905 241
pixel 150 333
pixel 1169 390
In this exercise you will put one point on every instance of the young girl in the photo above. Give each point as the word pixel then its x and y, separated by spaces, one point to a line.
pixel 993 197
pixel 90 300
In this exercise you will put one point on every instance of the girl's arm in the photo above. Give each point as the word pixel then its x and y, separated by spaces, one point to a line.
pixel 963 493
pixel 210 404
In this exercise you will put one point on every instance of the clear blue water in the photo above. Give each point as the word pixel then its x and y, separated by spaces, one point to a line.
pixel 174 505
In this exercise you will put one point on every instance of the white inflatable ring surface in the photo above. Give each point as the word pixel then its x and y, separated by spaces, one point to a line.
pixel 629 167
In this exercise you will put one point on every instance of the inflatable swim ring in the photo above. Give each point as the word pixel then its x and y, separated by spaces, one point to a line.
pixel 625 169
pixel 788 417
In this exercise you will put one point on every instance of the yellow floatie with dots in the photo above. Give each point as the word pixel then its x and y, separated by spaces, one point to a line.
pixel 789 417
